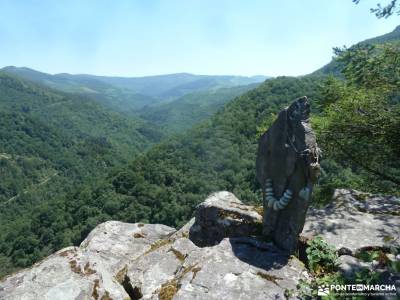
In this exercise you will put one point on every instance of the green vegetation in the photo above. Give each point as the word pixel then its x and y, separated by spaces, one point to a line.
pixel 322 258
pixel 361 115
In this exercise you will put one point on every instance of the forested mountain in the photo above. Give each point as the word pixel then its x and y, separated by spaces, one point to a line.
pixel 129 94
pixel 357 113
pixel 46 132
pixel 181 114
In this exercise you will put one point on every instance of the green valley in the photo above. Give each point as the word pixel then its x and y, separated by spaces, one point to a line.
pixel 181 114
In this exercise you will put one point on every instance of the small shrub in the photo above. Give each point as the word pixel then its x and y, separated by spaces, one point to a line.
pixel 322 257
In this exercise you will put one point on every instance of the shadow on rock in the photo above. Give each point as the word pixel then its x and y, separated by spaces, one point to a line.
pixel 259 254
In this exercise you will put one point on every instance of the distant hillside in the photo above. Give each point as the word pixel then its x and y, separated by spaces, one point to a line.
pixel 126 94
pixel 388 37
pixel 334 67
pixel 74 114
pixel 181 114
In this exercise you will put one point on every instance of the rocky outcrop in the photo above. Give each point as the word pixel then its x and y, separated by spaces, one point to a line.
pixel 217 255
pixel 355 221
pixel 287 167
pixel 137 261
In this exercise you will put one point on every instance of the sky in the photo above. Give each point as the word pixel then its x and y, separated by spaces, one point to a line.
pixel 149 37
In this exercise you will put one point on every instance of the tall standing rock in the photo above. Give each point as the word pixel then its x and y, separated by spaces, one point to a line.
pixel 287 167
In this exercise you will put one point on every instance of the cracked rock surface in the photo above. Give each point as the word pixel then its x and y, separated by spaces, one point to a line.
pixel 86 272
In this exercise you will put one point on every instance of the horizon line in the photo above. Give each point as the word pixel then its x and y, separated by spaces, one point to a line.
pixel 137 76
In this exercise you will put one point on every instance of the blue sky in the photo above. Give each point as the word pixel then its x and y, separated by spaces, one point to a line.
pixel 148 37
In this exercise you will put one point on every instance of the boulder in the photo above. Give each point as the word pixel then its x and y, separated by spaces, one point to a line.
pixel 287 167
pixel 223 215
pixel 353 221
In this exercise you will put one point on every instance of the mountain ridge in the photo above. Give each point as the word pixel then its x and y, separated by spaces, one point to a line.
pixel 130 94
pixel 140 83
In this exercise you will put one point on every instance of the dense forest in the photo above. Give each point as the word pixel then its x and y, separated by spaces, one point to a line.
pixel 74 165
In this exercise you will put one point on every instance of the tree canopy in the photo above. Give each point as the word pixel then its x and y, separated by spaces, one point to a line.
pixel 386 10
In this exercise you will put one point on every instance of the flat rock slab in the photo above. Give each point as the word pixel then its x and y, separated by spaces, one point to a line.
pixel 356 220
pixel 88 271
pixel 223 215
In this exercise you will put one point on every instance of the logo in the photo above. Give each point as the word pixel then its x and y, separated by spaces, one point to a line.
pixel 357 290
pixel 323 290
